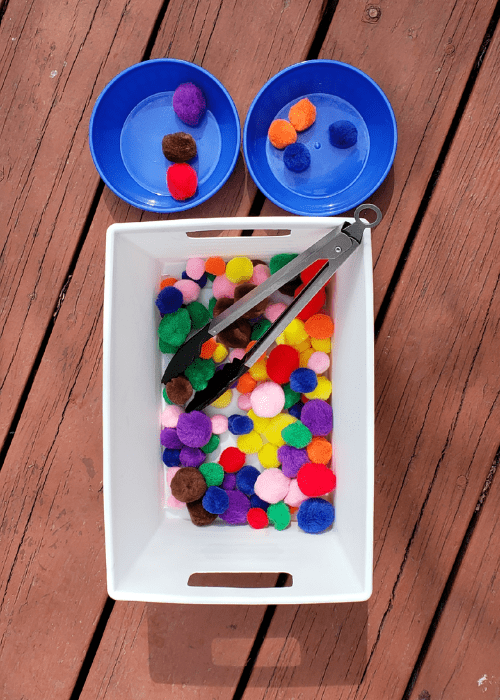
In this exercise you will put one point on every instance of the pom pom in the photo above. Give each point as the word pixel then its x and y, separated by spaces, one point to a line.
pixel 256 502
pixel 257 518
pixel 179 390
pixel 319 362
pixel 239 269
pixel 189 104
pixel 167 282
pixel 191 456
pixel 211 445
pixel 244 403
pixel 260 328
pixel 232 459
pixel 170 439
pixel 268 456
pixel 239 505
pixel 246 478
pixel 259 423
pixel 258 370
pixel 229 482
pixel 343 134
pixel 249 444
pixel 282 361
pixel 279 261
pixel 237 335
pixel 261 273
pixel 219 424
pixel 296 157
pixel 272 432
pixel 323 389
pixel 215 265
pixel 170 416
pixel 171 473
pixel 304 357
pixel 320 450
pixel 182 181
pixel 199 516
pixel 321 345
pixel 272 485
pixel 303 380
pixel 281 133
pixel 316 303
pixel 200 372
pixel 213 473
pixel 215 500
pixel 267 399
pixel 171 458
pixel 274 311
pixel 208 349
pixel 319 326
pixel 222 287
pixel 220 353
pixel 294 496
pixel 198 314
pixel 295 332
pixel 195 268
pixel 201 281
pixel 179 147
pixel 194 429
pixel 317 415
pixel 189 289
pixel 240 425
pixel 223 400
pixel 292 459
pixel 221 305
pixel 174 328
pixel 244 289
pixel 302 114
pixel 279 515
pixel 169 300
pixel 291 397
pixel 174 503
pixel 296 409
pixel 188 485
pixel 316 479
pixel 246 383
pixel 315 515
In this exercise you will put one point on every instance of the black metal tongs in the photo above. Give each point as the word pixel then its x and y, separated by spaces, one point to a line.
pixel 334 248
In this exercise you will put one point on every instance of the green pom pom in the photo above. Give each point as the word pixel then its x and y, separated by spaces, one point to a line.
pixel 211 445
pixel 260 328
pixel 213 473
pixel 212 302
pixel 198 314
pixel 165 396
pixel 210 276
pixel 297 435
pixel 174 328
pixel 279 515
pixel 200 372
pixel 291 396
pixel 280 260
pixel 166 347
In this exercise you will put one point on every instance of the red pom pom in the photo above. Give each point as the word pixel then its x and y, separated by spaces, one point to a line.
pixel 310 271
pixel 257 518
pixel 314 305
pixel 182 181
pixel 315 479
pixel 283 360
pixel 232 459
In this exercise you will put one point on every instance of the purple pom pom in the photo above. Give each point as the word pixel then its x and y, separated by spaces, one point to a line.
pixel 291 460
pixel 189 103
pixel 194 429
pixel 317 415
pixel 192 456
pixel 169 300
pixel 169 438
pixel 239 505
pixel 229 482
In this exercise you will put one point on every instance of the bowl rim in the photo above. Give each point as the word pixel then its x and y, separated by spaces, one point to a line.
pixel 188 204
pixel 334 211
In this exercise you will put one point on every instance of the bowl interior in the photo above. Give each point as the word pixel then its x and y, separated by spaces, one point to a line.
pixel 132 115
pixel 337 179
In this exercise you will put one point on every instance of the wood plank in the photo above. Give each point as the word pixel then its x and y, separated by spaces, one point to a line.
pixel 438 411
pixel 421 57
pixel 463 660
pixel 48 180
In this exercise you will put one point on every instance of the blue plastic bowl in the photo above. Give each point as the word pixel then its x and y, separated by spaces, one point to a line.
pixel 134 112
pixel 337 179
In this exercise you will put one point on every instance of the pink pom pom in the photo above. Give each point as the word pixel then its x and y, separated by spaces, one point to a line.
pixel 294 496
pixel 170 416
pixel 236 353
pixel 318 362
pixel 171 472
pixel 222 287
pixel 172 502
pixel 267 399
pixel 195 268
pixel 190 290
pixel 219 424
pixel 260 274
pixel 274 310
pixel 244 402
pixel 272 485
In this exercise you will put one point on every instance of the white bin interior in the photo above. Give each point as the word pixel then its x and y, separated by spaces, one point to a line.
pixel 151 555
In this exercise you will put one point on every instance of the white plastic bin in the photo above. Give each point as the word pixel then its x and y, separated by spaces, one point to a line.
pixel 150 553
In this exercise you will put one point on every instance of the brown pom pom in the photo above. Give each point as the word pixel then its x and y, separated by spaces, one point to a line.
pixel 179 147
pixel 259 308
pixel 199 515
pixel 237 335
pixel 188 485
pixel 289 287
pixel 179 390
pixel 221 305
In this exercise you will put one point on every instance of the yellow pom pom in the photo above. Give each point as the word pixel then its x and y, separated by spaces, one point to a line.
pixel 258 371
pixel 281 340
pixel 223 400
pixel 220 353
pixel 249 443
pixel 260 424
pixel 322 391
pixel 268 456
pixel 305 345
pixel 273 431
pixel 295 332
pixel 322 345
pixel 239 269
pixel 304 357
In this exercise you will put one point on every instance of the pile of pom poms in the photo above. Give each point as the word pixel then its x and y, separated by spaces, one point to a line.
pixel 283 419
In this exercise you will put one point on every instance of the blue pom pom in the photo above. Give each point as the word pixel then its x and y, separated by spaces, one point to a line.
pixel 296 409
pixel 239 425
pixel 171 458
pixel 169 300
pixel 215 500
pixel 202 281
pixel 315 515
pixel 343 134
pixel 303 380
pixel 296 157
pixel 256 502
pixel 246 478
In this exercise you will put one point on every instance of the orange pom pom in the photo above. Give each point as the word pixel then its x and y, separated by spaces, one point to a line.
pixel 302 114
pixel 319 326
pixel 319 450
pixel 281 133
pixel 168 282
pixel 246 384
pixel 215 266
pixel 208 348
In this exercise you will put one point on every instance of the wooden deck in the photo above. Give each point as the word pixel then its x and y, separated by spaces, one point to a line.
pixel 432 626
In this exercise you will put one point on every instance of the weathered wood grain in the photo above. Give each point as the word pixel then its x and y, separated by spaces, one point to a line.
pixel 438 411
pixel 463 660
pixel 421 56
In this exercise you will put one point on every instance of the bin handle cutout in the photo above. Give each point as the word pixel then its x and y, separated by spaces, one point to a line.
pixel 241 579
